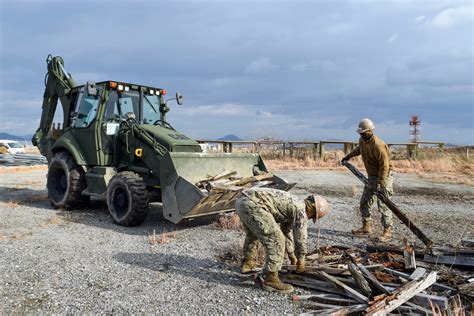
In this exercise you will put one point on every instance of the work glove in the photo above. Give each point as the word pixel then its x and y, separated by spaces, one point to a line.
pixel 300 265
pixel 383 189
pixel 293 259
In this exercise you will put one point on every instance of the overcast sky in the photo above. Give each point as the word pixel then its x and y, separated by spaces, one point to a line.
pixel 292 70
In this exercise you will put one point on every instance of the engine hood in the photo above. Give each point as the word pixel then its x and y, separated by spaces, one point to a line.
pixel 171 139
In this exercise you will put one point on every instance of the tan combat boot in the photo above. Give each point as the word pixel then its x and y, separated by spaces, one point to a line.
pixel 387 234
pixel 248 265
pixel 272 283
pixel 366 229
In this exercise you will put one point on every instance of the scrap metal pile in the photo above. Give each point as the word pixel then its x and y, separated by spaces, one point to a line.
pixel 22 160
pixel 381 280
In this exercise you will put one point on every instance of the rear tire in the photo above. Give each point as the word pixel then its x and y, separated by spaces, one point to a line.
pixel 127 199
pixel 66 181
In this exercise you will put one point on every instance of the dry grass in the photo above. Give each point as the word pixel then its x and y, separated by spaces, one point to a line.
pixel 455 308
pixel 160 239
pixel 38 198
pixel 229 222
pixel 233 254
pixel 53 220
pixel 12 204
pixel 20 236
pixel 5 170
pixel 3 150
pixel 354 191
pixel 450 167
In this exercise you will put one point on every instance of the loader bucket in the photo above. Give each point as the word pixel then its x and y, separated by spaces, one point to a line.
pixel 180 171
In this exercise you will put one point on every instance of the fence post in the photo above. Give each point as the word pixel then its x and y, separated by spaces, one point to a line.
pixel 315 150
pixel 284 149
pixel 291 149
pixel 411 150
pixel 321 149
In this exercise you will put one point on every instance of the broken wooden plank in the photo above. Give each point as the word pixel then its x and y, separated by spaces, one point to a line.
pixel 225 174
pixel 409 255
pixel 454 251
pixel 419 308
pixel 450 260
pixel 402 295
pixel 360 280
pixel 331 269
pixel 468 242
pixel 244 181
pixel 325 299
pixel 436 286
pixel 381 197
pixel 419 272
pixel 311 284
pixel 372 279
pixel 338 284
pixel 337 310
pixel 397 250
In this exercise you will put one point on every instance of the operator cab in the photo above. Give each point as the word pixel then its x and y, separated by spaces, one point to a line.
pixel 147 104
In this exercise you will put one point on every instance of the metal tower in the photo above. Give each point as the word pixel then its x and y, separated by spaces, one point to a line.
pixel 415 134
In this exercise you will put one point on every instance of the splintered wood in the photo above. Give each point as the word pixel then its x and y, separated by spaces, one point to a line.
pixel 230 181
pixel 352 281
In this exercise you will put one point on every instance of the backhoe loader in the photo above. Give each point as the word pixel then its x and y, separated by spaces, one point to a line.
pixel 115 144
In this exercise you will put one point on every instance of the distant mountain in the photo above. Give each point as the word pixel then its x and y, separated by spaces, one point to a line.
pixel 10 136
pixel 230 137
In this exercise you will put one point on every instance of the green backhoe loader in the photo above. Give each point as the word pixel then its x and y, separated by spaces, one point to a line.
pixel 116 145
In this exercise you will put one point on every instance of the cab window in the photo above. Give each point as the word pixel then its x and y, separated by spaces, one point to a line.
pixel 86 110
pixel 118 104
pixel 151 109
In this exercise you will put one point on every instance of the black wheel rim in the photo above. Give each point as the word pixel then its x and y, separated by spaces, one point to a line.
pixel 120 202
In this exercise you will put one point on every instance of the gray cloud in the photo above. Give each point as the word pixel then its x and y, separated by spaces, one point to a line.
pixel 294 69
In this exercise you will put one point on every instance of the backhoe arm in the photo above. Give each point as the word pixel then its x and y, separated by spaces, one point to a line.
pixel 58 84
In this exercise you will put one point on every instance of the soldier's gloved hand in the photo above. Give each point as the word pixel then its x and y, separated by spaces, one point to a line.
pixel 293 259
pixel 383 189
pixel 300 265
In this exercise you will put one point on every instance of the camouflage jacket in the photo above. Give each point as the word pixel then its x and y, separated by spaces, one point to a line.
pixel 288 211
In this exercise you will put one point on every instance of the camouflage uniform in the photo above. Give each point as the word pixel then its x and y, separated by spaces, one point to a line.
pixel 275 218
pixel 368 199
pixel 376 157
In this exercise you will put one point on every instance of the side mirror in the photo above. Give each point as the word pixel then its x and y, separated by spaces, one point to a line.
pixel 91 88
pixel 179 99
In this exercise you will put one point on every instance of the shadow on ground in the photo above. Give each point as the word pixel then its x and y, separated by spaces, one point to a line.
pixel 96 213
pixel 201 268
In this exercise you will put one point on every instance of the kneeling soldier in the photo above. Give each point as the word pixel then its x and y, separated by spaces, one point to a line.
pixel 276 218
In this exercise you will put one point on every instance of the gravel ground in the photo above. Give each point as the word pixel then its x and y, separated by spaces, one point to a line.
pixel 64 262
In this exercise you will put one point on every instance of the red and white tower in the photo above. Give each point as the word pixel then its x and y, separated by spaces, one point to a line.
pixel 415 126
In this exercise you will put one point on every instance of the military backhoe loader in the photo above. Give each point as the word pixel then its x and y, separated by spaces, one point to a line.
pixel 116 145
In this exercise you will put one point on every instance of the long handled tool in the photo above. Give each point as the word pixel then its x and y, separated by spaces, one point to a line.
pixel 381 196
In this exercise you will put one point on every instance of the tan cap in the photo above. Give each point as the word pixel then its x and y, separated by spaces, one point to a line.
pixel 365 125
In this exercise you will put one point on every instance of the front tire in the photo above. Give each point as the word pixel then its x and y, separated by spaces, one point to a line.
pixel 66 181
pixel 127 199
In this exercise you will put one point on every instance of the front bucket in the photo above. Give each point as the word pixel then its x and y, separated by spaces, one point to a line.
pixel 180 171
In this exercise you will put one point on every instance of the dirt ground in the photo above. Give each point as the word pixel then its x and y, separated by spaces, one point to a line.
pixel 55 261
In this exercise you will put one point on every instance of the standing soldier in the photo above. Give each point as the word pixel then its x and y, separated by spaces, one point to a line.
pixel 277 219
pixel 376 157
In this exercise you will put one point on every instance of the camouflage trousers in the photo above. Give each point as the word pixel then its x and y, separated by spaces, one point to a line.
pixel 369 198
pixel 260 226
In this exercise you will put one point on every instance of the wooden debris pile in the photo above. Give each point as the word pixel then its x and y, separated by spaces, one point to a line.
pixel 230 181
pixel 354 281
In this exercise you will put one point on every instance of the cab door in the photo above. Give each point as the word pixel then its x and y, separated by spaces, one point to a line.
pixel 84 126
